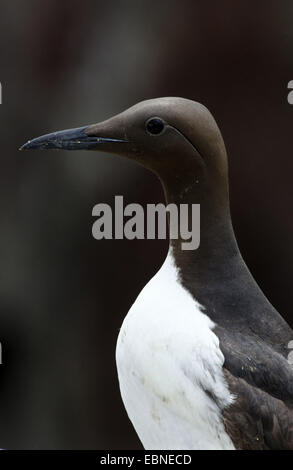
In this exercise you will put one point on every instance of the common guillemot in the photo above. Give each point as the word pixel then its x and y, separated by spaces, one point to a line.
pixel 202 354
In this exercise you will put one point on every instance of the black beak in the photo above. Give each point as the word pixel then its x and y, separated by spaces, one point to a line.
pixel 72 139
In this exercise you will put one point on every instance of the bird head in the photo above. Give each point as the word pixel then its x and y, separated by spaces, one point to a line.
pixel 176 138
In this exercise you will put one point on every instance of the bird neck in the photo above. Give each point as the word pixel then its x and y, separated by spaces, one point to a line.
pixel 217 251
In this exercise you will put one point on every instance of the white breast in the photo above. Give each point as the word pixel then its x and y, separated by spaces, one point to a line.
pixel 170 369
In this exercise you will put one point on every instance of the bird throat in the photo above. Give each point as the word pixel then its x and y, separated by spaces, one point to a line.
pixel 218 247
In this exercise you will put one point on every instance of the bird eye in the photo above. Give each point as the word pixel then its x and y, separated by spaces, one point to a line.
pixel 154 126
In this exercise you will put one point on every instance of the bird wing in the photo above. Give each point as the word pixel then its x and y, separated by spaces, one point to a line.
pixel 261 379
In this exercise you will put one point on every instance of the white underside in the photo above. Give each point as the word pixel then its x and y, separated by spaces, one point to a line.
pixel 170 369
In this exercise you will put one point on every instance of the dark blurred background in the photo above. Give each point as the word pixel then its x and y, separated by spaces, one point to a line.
pixel 63 295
